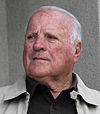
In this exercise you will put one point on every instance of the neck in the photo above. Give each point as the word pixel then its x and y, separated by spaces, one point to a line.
pixel 57 85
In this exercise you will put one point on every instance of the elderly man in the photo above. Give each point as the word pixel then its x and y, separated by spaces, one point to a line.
pixel 52 47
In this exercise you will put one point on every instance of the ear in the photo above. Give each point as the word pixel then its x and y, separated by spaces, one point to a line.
pixel 77 46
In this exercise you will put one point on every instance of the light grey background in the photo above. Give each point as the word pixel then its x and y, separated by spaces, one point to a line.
pixel 13 16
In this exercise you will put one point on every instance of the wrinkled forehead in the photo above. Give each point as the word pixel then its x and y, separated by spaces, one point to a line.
pixel 51 12
pixel 52 15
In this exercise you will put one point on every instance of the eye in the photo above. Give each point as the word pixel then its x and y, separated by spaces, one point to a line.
pixel 34 35
pixel 50 36
pixel 29 37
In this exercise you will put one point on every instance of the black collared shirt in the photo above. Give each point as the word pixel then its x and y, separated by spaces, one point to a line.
pixel 42 101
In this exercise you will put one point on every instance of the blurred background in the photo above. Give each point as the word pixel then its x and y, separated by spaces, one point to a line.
pixel 13 18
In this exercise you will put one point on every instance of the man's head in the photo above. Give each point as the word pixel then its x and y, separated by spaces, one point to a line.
pixel 52 44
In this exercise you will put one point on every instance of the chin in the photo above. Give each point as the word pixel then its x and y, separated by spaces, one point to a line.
pixel 37 72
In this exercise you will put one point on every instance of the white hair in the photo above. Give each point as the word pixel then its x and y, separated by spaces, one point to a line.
pixel 76 34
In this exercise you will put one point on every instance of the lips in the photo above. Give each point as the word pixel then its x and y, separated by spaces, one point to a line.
pixel 40 58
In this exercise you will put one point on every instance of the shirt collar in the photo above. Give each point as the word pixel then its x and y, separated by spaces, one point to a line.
pixel 74 82
pixel 31 85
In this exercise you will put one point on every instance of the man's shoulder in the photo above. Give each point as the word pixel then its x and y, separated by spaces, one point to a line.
pixel 91 96
pixel 96 93
pixel 13 90
pixel 3 90
pixel 88 90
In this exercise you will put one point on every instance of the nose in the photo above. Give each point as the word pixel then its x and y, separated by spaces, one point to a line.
pixel 39 44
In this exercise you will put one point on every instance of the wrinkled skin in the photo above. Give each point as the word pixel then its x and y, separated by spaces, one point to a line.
pixel 49 55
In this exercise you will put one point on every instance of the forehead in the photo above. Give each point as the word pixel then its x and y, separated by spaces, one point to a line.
pixel 51 17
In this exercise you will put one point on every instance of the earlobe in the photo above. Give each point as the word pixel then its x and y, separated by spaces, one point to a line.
pixel 77 50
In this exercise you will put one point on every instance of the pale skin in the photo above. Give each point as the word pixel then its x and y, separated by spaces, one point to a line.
pixel 49 55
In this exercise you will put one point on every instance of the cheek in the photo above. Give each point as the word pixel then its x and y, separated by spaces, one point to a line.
pixel 27 49
pixel 56 55
pixel 26 54
pixel 62 54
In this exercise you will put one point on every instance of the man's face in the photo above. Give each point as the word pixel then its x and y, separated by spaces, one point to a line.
pixel 48 51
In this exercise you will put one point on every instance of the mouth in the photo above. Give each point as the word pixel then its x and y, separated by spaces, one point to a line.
pixel 40 58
